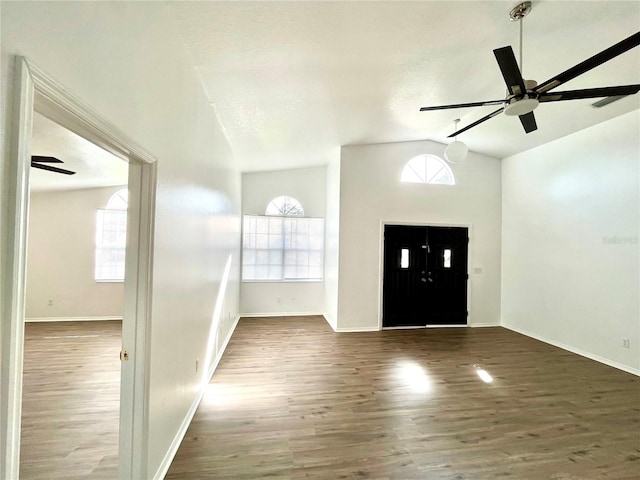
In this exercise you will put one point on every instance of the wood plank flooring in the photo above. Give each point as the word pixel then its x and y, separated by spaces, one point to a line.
pixel 291 399
pixel 71 399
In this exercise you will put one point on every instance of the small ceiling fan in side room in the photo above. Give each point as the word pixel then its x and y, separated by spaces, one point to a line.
pixel 41 162
pixel 524 96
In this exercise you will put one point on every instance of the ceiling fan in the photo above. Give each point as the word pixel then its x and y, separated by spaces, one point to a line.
pixel 523 96
pixel 38 161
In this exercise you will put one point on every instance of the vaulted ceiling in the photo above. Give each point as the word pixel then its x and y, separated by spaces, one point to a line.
pixel 293 81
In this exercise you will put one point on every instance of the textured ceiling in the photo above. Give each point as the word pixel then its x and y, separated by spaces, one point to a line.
pixel 94 166
pixel 293 81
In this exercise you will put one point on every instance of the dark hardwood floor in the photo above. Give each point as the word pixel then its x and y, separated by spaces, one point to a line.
pixel 292 400
pixel 71 399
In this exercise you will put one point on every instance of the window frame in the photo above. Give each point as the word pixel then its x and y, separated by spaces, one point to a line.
pixel 283 278
pixel 99 238
pixel 295 208
pixel 427 158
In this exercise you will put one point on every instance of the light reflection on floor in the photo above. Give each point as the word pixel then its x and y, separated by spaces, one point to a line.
pixel 414 376
pixel 484 375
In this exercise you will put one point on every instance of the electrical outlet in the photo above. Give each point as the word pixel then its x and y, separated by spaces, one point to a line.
pixel 625 342
pixel 278 299
pixel 50 303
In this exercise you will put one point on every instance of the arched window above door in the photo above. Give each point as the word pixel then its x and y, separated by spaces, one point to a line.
pixel 427 169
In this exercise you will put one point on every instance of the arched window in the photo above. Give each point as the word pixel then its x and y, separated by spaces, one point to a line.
pixel 282 245
pixel 119 200
pixel 427 169
pixel 111 238
pixel 284 207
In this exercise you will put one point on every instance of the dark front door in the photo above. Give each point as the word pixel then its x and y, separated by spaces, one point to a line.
pixel 425 276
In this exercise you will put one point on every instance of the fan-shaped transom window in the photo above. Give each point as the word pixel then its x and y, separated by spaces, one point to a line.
pixel 119 200
pixel 427 169
pixel 285 207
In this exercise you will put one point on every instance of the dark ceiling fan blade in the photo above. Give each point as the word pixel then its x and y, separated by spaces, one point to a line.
pixel 606 101
pixel 42 159
pixel 622 90
pixel 463 105
pixel 528 121
pixel 477 122
pixel 52 169
pixel 510 71
pixel 588 64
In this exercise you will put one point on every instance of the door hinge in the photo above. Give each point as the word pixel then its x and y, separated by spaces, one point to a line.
pixel 124 356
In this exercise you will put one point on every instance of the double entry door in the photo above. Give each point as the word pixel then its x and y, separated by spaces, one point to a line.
pixel 425 276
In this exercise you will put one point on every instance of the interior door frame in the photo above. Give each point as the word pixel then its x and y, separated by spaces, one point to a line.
pixel 35 90
pixel 383 224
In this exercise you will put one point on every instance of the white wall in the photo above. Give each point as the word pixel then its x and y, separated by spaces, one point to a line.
pixel 308 186
pixel 332 243
pixel 371 193
pixel 570 242
pixel 60 257
pixel 124 60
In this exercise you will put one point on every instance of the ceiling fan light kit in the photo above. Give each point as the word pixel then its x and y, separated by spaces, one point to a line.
pixel 456 151
pixel 524 96
pixel 516 107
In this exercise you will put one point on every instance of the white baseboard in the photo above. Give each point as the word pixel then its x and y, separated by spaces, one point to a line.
pixel 480 325
pixel 330 321
pixel 282 314
pixel 162 470
pixel 71 319
pixel 577 351
pixel 356 329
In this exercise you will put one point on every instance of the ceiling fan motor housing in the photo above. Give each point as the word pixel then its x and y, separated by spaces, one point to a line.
pixel 517 105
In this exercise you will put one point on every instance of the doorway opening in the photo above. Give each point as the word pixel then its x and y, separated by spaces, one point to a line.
pixel 425 275
pixel 36 92
pixel 74 301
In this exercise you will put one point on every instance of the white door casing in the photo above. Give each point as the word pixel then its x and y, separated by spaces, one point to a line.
pixel 34 90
